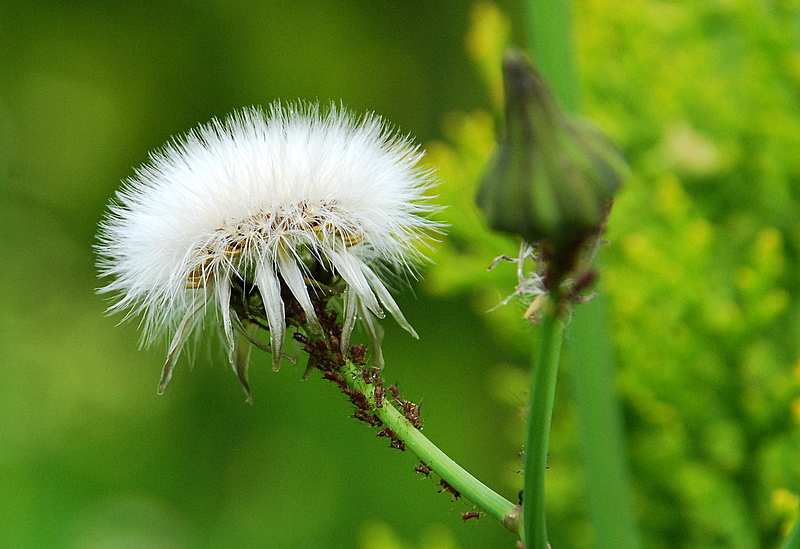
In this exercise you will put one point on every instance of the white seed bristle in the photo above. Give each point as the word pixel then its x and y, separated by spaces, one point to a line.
pixel 256 197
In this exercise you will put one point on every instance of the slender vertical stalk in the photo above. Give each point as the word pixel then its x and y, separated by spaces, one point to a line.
pixel 542 396
pixel 608 490
pixel 607 484
pixel 550 38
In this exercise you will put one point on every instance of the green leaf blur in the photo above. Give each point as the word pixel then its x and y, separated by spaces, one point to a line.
pixel 702 270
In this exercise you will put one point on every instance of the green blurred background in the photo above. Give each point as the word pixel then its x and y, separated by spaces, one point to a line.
pixel 702 278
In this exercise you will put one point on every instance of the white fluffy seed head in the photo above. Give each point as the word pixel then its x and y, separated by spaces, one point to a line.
pixel 260 197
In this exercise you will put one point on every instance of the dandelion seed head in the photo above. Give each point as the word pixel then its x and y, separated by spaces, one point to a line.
pixel 256 202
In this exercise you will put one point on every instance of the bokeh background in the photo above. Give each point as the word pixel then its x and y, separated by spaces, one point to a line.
pixel 701 279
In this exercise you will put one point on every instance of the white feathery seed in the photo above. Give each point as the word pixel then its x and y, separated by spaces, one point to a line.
pixel 259 199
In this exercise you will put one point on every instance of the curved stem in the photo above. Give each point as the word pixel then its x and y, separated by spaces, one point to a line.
pixel 451 472
pixel 542 395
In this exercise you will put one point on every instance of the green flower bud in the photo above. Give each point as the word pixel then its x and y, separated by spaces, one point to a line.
pixel 553 177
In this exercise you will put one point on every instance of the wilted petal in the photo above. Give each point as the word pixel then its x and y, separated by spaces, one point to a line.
pixel 349 317
pixel 223 290
pixel 352 270
pixel 187 324
pixel 240 356
pixel 270 289
pixel 387 300
pixel 374 331
pixel 293 276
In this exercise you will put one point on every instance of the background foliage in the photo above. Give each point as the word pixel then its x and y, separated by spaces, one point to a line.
pixel 701 278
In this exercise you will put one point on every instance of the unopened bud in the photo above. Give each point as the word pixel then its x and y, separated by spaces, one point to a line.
pixel 553 177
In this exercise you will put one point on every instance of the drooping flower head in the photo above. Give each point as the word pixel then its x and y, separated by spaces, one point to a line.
pixel 238 218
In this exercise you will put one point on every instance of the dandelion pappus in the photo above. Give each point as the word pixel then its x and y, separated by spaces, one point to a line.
pixel 179 245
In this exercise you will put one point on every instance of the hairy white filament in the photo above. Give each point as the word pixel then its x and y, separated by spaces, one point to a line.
pixel 261 197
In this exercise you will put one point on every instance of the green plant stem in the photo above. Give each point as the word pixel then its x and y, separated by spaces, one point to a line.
pixel 608 489
pixel 546 357
pixel 549 24
pixel 467 485
pixel 470 487
pixel 550 38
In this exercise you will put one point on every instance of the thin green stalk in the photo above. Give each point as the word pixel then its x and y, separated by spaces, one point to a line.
pixel 451 472
pixel 484 497
pixel 608 488
pixel 543 389
pixel 550 38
